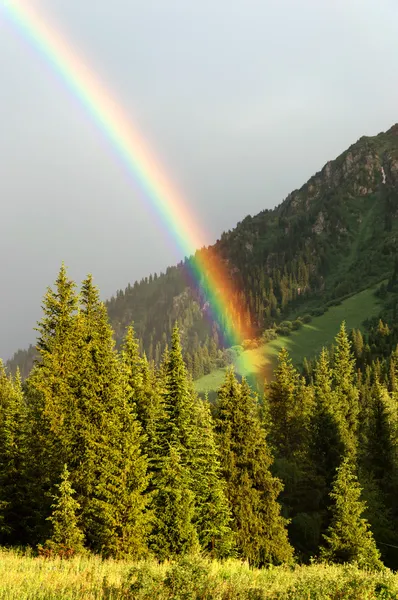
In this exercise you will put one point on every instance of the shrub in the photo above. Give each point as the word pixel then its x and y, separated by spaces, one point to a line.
pixel 269 335
pixel 297 324
pixel 318 312
pixel 189 579
pixel 251 344
pixel 306 319
pixel 145 582
pixel 334 302
pixel 283 331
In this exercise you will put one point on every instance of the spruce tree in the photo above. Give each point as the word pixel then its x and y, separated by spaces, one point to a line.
pixel 83 419
pixel 381 439
pixel 308 483
pixel 346 391
pixel 50 396
pixel 348 538
pixel 132 361
pixel 111 475
pixel 186 428
pixel 252 491
pixel 174 457
pixel 178 426
pixel 212 511
pixel 143 394
pixel 290 405
pixel 67 538
pixel 59 309
pixel 379 469
pixel 174 532
pixel 326 445
pixel 15 508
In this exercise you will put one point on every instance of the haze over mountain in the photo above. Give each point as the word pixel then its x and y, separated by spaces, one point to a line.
pixel 242 102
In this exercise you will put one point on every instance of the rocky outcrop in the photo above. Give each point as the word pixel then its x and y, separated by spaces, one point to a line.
pixel 355 173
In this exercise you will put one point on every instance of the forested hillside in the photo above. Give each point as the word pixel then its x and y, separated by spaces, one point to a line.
pixel 103 451
pixel 334 236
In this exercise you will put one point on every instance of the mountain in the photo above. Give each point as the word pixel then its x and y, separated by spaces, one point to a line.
pixel 333 237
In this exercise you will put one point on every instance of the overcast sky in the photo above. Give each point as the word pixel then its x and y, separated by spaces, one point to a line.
pixel 241 100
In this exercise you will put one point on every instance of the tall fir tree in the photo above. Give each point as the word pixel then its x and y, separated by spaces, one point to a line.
pixel 212 511
pixel 186 430
pixel 178 402
pixel 83 419
pixel 143 393
pixel 326 444
pixel 175 453
pixel 15 489
pixel 290 405
pixel 252 491
pixel 174 532
pixel 50 397
pixel 348 538
pixel 346 391
pixel 379 468
pixel 111 476
pixel 66 537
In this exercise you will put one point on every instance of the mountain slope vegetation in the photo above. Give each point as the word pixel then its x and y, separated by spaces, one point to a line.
pixel 333 237
pixel 257 364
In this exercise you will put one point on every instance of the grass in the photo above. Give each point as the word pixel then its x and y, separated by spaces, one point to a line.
pixel 194 578
pixel 309 340
pixel 258 364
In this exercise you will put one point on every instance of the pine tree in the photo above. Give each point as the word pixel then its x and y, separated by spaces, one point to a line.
pixel 82 418
pixel 175 453
pixel 132 361
pixel 359 344
pixel 348 537
pixel 174 532
pixel 326 446
pixel 50 395
pixel 382 438
pixel 186 428
pixel 59 308
pixel 379 468
pixel 212 511
pixel 252 491
pixel 290 405
pixel 143 394
pixel 346 392
pixel 67 538
pixel 15 508
pixel 111 475
pixel 308 482
pixel 178 427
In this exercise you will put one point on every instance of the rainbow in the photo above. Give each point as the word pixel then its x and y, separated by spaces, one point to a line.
pixel 130 146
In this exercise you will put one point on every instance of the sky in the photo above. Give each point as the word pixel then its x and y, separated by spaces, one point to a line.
pixel 241 101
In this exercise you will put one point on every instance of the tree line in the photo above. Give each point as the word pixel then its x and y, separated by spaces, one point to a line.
pixel 102 450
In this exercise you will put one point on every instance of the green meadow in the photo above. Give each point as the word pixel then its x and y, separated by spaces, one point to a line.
pixel 192 578
pixel 258 364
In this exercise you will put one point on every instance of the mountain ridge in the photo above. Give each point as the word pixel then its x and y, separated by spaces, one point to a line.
pixel 334 235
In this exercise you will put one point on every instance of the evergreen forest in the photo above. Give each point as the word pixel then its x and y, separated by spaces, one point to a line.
pixel 118 470
pixel 104 451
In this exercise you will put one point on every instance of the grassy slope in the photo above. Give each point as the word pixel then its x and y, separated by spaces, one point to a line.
pixel 90 578
pixel 306 342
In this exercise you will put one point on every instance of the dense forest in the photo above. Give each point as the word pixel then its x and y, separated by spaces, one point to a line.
pixel 103 450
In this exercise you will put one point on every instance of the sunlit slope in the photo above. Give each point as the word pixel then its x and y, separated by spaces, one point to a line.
pixel 306 342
